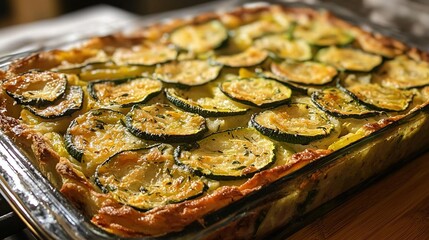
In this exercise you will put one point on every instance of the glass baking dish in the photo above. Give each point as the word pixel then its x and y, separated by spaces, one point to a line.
pixel 273 210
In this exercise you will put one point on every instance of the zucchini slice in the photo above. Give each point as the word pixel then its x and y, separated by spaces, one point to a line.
pixel 214 105
pixel 94 136
pixel 250 57
pixel 200 38
pixel 322 33
pixel 148 54
pixel 161 122
pixel 36 88
pixel 403 73
pixel 187 73
pixel 340 104
pixel 284 48
pixel 244 35
pixel 295 123
pixel 381 98
pixel 348 59
pixel 258 92
pixel 229 155
pixel 309 73
pixel 124 92
pixel 71 102
pixel 109 70
pixel 147 178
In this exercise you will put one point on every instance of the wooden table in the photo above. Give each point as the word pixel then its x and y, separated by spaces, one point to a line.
pixel 395 207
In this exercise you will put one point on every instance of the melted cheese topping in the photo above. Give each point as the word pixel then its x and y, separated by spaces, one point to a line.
pixel 191 72
pixel 322 33
pixel 258 91
pixel 296 119
pixel 337 102
pixel 244 35
pixel 148 178
pixel 349 59
pixel 382 98
pixel 285 48
pixel 403 72
pixel 232 153
pixel 250 57
pixel 215 102
pixel 162 119
pixel 71 102
pixel 97 133
pixel 200 38
pixel 108 71
pixel 304 72
pixel 36 86
pixel 148 55
pixel 126 93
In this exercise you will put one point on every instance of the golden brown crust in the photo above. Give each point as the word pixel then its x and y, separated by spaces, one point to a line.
pixel 124 220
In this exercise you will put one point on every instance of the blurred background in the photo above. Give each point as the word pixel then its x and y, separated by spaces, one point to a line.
pixel 20 20
pixel 23 11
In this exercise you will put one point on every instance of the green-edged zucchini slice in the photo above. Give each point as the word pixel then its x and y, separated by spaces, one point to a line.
pixel 146 55
pixel 259 92
pixel 295 123
pixel 94 136
pixel 284 48
pixel 309 73
pixel 381 98
pixel 108 70
pixel 71 102
pixel 403 73
pixel 124 92
pixel 228 155
pixel 340 104
pixel 214 105
pixel 187 73
pixel 200 38
pixel 322 33
pixel 36 88
pixel 161 122
pixel 250 57
pixel 147 178
pixel 244 35
pixel 349 59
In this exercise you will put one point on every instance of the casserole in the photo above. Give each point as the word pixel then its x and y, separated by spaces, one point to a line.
pixel 301 164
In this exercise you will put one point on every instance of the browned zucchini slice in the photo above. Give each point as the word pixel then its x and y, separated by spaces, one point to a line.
pixel 294 123
pixel 244 35
pixel 403 73
pixel 147 178
pixel 147 54
pixel 36 88
pixel 71 102
pixel 200 38
pixel 321 33
pixel 283 47
pixel 375 96
pixel 187 73
pixel 124 92
pixel 228 155
pixel 381 98
pixel 349 59
pixel 94 136
pixel 161 122
pixel 214 105
pixel 309 73
pixel 250 57
pixel 259 92
pixel 340 104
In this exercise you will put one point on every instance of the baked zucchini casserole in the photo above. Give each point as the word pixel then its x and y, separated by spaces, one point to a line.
pixel 148 133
